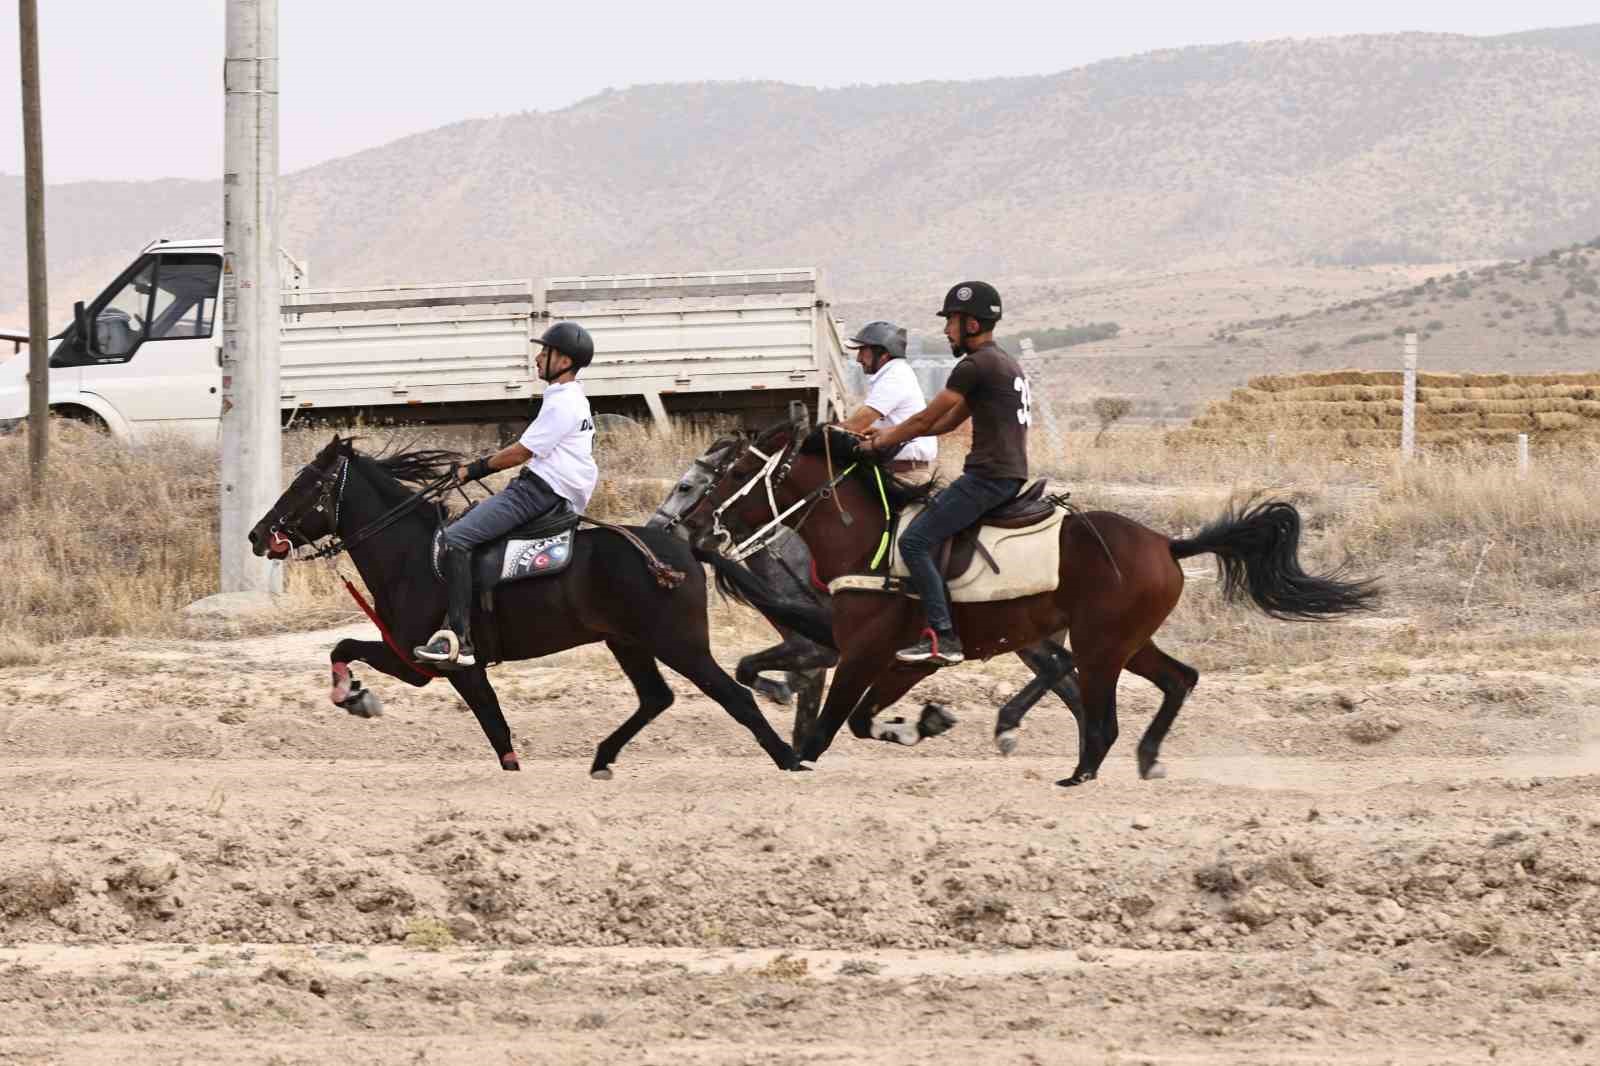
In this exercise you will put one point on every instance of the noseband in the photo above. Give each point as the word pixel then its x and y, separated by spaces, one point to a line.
pixel 330 496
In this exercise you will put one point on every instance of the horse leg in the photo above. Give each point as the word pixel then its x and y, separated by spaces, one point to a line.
pixel 896 682
pixel 748 673
pixel 347 692
pixel 795 655
pixel 1097 726
pixel 473 686
pixel 850 683
pixel 1175 680
pixel 696 664
pixel 655 696
pixel 809 686
pixel 1052 666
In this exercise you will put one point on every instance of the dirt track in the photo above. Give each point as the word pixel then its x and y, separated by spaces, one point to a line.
pixel 201 861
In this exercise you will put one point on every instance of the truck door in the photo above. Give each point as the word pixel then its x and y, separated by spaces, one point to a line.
pixel 153 357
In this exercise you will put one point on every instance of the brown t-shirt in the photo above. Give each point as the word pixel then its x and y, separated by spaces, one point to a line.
pixel 996 392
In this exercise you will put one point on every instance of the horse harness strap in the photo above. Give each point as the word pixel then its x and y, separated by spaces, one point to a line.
pixel 667 577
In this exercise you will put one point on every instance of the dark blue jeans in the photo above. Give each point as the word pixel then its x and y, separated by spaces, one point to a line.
pixel 524 499
pixel 966 499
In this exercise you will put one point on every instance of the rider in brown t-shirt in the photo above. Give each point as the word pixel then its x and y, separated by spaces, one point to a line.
pixel 989 387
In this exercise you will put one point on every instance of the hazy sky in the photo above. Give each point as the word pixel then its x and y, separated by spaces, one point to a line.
pixel 135 90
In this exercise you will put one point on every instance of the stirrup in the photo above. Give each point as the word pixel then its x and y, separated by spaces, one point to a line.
pixel 450 653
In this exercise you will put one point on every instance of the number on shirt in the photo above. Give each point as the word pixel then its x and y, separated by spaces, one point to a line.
pixel 1024 412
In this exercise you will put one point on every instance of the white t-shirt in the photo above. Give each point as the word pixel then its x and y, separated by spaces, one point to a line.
pixel 562 442
pixel 895 394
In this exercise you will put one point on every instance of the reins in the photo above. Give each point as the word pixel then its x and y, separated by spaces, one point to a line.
pixel 337 545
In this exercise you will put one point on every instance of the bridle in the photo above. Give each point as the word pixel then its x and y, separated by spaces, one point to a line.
pixel 774 470
pixel 329 500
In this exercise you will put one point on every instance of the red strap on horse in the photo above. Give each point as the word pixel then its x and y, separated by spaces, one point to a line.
pixel 388 638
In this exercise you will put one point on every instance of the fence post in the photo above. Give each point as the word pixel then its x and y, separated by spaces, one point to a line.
pixel 1408 400
pixel 1522 455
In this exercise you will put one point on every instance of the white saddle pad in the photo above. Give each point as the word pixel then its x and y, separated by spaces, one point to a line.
pixel 1029 559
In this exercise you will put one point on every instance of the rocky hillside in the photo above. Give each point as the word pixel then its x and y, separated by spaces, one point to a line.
pixel 1344 150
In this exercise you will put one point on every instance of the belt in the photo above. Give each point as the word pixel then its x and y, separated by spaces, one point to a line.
pixel 907 466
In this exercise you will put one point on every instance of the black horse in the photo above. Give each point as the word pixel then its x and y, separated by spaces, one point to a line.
pixel 785 568
pixel 607 593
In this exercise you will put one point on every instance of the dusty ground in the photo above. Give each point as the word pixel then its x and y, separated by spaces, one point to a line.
pixel 201 861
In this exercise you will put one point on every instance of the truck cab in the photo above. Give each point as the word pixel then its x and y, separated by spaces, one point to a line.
pixel 142 356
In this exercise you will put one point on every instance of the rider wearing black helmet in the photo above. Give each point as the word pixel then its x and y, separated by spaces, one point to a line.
pixel 988 386
pixel 558 448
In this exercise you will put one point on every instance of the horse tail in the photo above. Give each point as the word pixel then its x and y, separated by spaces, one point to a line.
pixel 1258 553
pixel 740 585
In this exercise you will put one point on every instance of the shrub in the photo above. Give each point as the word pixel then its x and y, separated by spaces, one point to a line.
pixel 1063 336
pixel 1109 410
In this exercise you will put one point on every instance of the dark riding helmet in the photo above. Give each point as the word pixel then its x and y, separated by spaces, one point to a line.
pixel 976 298
pixel 886 335
pixel 572 341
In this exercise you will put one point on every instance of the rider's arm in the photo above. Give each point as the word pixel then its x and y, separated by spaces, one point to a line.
pixel 862 420
pixel 513 454
pixel 944 412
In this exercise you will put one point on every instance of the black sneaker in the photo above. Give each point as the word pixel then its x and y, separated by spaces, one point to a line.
pixel 444 649
pixel 940 649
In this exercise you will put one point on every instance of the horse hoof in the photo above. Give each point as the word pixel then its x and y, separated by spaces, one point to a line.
pixel 935 720
pixel 897 731
pixel 509 761
pixel 366 704
pixel 602 774
pixel 1006 741
pixel 1075 780
pixel 805 765
pixel 1155 773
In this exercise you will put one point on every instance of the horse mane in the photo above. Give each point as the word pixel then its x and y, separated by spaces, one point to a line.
pixel 404 470
pixel 846 449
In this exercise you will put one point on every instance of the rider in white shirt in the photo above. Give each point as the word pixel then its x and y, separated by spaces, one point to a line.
pixel 558 448
pixel 893 394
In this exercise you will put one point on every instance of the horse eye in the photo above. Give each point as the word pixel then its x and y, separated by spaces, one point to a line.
pixel 684 486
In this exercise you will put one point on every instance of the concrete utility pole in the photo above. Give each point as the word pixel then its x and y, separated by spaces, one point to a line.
pixel 252 443
pixel 38 296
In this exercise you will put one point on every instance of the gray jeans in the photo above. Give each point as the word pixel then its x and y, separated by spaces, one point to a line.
pixel 526 498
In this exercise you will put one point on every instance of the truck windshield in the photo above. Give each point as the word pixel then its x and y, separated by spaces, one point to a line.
pixel 162 297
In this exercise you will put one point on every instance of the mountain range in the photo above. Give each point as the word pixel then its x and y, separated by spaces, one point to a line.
pixel 1336 151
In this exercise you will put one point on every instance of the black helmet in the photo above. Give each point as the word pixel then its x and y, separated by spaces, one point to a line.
pixel 572 341
pixel 976 298
pixel 886 335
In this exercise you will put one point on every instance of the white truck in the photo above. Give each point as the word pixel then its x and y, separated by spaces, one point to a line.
pixel 144 355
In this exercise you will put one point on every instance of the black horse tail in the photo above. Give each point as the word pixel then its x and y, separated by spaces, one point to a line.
pixel 1258 552
pixel 737 583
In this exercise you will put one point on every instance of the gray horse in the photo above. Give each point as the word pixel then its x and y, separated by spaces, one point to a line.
pixel 785 565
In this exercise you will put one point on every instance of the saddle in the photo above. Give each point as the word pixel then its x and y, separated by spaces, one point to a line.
pixel 1012 551
pixel 1019 512
pixel 539 549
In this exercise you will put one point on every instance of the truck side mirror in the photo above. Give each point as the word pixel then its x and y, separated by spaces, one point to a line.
pixel 83 329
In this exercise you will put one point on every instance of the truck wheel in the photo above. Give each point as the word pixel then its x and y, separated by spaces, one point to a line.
pixel 83 416
pixel 610 423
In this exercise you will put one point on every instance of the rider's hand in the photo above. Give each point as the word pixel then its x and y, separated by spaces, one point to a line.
pixel 872 439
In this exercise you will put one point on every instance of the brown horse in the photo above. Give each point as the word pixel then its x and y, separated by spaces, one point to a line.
pixel 1117 582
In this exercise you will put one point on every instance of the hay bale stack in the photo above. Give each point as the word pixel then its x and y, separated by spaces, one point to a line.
pixel 1360 408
